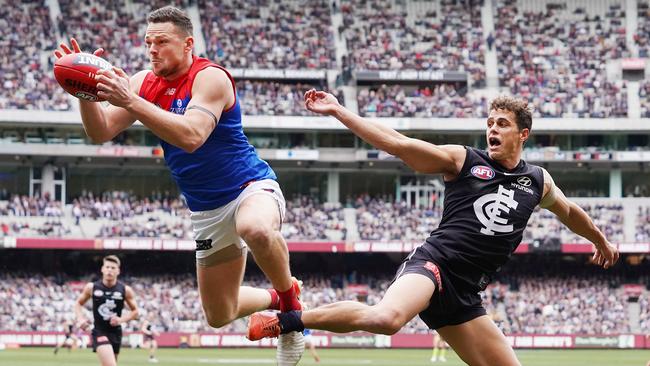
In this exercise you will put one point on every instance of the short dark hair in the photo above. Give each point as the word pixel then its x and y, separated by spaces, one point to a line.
pixel 112 258
pixel 170 14
pixel 519 107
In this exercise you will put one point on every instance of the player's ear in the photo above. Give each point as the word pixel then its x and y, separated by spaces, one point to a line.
pixel 524 134
pixel 189 44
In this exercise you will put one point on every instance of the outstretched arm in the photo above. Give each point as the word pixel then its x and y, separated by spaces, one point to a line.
pixel 421 156
pixel 577 220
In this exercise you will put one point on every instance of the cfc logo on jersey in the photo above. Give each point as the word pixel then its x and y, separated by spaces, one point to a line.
pixel 490 207
pixel 482 172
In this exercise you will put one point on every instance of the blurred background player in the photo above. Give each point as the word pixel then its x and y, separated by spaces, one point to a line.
pixel 191 104
pixel 439 348
pixel 71 340
pixel 309 343
pixel 150 335
pixel 108 298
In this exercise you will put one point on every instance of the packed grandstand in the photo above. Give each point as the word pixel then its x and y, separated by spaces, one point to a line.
pixel 426 68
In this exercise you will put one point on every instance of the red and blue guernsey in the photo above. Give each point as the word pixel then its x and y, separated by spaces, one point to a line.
pixel 217 172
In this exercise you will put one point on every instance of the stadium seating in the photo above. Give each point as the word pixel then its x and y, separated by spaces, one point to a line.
pixel 403 101
pixel 273 98
pixel 383 219
pixel 387 35
pixel 642 36
pixel 556 58
pixel 27 82
pixel 541 305
pixel 264 34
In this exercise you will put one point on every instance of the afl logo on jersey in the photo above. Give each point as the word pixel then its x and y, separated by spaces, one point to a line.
pixel 98 293
pixel 482 172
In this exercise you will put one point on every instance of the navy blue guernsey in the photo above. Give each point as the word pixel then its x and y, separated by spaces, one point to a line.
pixel 486 209
pixel 107 302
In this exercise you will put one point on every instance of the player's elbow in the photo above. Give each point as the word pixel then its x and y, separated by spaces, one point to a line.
pixel 190 147
pixel 193 142
pixel 394 145
pixel 98 138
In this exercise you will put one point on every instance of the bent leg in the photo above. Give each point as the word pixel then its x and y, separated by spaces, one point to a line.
pixel 258 223
pixel 480 343
pixel 404 299
pixel 222 298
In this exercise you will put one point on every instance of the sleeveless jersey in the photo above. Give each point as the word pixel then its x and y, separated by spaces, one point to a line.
pixel 486 209
pixel 217 172
pixel 107 302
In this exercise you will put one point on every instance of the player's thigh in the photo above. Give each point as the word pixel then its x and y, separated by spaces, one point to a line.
pixel 106 355
pixel 480 343
pixel 219 283
pixel 262 205
pixel 407 296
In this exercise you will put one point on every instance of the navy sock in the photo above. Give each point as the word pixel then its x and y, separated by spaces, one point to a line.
pixel 291 322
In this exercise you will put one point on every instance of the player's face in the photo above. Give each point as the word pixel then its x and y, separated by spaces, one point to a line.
pixel 504 139
pixel 110 271
pixel 167 48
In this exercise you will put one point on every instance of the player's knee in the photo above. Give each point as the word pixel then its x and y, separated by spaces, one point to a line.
pixel 387 321
pixel 217 319
pixel 257 236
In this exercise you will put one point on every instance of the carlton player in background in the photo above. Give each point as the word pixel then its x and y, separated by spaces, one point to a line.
pixel 489 197
pixel 191 104
pixel 109 296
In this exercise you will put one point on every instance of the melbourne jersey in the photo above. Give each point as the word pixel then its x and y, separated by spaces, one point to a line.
pixel 486 209
pixel 107 302
pixel 215 173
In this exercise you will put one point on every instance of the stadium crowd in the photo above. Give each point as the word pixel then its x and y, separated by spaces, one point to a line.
pixel 442 100
pixel 265 34
pixel 643 224
pixel 607 217
pixel 110 25
pixel 642 36
pixel 308 219
pixel 565 306
pixel 388 35
pixel 644 98
pixel 25 59
pixel 553 305
pixel 381 218
pixel 124 214
pixel 556 59
pixel 272 98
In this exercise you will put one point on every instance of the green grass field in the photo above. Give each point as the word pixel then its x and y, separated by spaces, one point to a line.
pixel 247 357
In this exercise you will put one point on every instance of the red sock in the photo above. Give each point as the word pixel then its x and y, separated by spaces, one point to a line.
pixel 289 300
pixel 275 299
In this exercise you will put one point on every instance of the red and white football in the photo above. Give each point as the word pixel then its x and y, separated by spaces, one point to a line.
pixel 75 73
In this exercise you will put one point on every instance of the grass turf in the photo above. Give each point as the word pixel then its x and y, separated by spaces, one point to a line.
pixel 339 357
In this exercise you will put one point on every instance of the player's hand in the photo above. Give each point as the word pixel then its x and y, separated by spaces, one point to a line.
pixel 321 102
pixel 115 321
pixel 606 256
pixel 113 85
pixel 65 50
pixel 83 324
